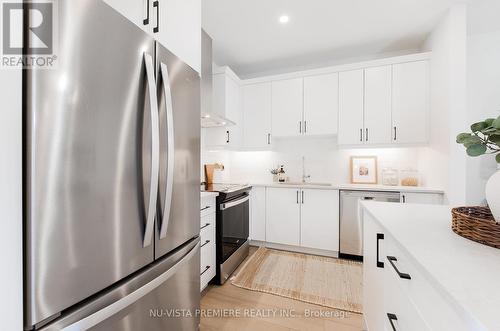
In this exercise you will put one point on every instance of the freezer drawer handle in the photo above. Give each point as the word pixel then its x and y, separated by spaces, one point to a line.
pixel 170 150
pixel 400 274
pixel 204 226
pixel 156 29
pixel 206 269
pixel 380 236
pixel 227 205
pixel 205 243
pixel 155 150
pixel 118 306
pixel 392 318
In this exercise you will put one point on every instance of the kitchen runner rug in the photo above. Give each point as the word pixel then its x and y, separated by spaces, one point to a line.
pixel 324 281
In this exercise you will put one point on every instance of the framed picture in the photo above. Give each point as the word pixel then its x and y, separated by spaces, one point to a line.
pixel 364 170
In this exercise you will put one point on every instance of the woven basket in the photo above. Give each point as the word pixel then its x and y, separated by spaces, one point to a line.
pixel 477 224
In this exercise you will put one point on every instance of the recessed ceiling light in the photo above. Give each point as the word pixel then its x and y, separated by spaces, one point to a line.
pixel 284 19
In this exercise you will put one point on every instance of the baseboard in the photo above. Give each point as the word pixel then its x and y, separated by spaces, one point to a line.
pixel 297 249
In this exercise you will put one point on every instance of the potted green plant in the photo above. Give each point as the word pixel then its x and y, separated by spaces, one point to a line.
pixel 485 139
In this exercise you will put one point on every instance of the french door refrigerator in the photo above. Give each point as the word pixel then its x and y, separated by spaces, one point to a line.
pixel 111 166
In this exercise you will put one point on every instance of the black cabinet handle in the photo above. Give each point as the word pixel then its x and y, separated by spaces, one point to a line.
pixel 205 243
pixel 206 269
pixel 395 133
pixel 300 126
pixel 361 135
pixel 156 4
pixel 204 208
pixel 392 318
pixel 380 236
pixel 400 274
pixel 366 138
pixel 227 140
pixel 204 226
pixel 146 20
pixel 297 197
pixel 302 197
pixel 305 126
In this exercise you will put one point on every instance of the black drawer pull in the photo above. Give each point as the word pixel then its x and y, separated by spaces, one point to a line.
pixel 380 236
pixel 205 243
pixel 156 4
pixel 400 274
pixel 204 208
pixel 206 269
pixel 204 226
pixel 392 318
pixel 146 20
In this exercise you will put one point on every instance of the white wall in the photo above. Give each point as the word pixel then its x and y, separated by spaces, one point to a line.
pixel 324 161
pixel 443 160
pixel 11 273
pixel 483 79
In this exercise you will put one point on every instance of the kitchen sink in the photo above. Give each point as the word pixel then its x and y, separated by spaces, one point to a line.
pixel 305 184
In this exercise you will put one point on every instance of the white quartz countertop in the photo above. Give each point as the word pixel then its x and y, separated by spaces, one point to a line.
pixel 208 194
pixel 355 187
pixel 467 272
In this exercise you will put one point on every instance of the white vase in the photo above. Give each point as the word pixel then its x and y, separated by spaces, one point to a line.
pixel 493 194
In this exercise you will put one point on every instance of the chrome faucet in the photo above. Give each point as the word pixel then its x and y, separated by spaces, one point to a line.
pixel 304 176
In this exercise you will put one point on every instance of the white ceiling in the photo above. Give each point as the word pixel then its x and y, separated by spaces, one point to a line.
pixel 248 37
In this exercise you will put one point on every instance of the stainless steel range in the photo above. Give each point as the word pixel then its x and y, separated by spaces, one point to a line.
pixel 232 227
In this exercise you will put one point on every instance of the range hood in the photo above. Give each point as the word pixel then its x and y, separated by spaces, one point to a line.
pixel 209 119
pixel 212 120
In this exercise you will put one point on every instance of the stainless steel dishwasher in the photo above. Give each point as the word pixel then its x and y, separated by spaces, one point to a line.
pixel 351 226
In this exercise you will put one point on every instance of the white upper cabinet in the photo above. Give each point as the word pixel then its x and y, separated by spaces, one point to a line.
pixel 283 216
pixel 176 24
pixel 410 102
pixel 179 29
pixel 287 105
pixel 321 103
pixel 377 114
pixel 319 226
pixel 257 116
pixel 351 96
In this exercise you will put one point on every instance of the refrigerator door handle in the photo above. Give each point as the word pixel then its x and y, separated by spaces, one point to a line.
pixel 114 308
pixel 170 150
pixel 155 150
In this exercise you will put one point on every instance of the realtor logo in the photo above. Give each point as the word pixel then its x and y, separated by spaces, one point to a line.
pixel 28 34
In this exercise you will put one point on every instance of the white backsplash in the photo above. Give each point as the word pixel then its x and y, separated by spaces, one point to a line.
pixel 324 161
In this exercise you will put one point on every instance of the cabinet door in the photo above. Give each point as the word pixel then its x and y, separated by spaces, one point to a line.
pixel 321 104
pixel 135 11
pixel 258 213
pixel 319 220
pixel 424 198
pixel 257 116
pixel 283 216
pixel 410 102
pixel 351 107
pixel 373 274
pixel 287 106
pixel 179 29
pixel 218 138
pixel 377 115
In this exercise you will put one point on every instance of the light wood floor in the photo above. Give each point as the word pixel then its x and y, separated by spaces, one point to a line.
pixel 245 302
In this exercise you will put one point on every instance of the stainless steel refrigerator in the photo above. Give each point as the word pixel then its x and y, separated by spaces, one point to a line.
pixel 111 166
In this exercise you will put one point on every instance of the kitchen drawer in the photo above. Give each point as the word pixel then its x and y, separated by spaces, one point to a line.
pixel 437 311
pixel 207 206
pixel 207 234
pixel 400 313
pixel 207 263
pixel 207 220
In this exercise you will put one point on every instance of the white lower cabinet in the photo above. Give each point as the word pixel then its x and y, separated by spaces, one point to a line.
pixel 207 241
pixel 319 214
pixel 258 213
pixel 307 218
pixel 283 216
pixel 396 294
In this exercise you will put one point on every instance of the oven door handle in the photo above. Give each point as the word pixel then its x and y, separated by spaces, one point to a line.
pixel 227 205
